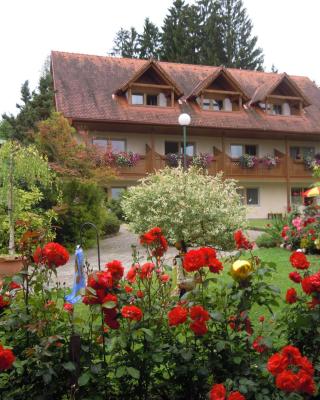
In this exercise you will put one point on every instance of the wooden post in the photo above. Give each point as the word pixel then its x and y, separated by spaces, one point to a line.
pixel 288 175
pixel 153 153
pixel 223 148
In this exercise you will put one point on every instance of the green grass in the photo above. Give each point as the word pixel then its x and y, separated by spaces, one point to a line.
pixel 258 224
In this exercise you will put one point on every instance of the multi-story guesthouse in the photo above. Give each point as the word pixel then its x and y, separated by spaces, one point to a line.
pixel 260 128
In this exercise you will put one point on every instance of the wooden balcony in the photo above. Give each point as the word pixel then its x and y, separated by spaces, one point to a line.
pixel 286 168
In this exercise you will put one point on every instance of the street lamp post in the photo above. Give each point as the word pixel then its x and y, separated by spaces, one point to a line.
pixel 184 120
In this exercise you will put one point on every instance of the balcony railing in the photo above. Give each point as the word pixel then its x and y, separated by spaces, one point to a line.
pixel 286 167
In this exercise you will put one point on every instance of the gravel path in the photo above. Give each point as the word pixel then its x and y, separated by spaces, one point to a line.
pixel 117 247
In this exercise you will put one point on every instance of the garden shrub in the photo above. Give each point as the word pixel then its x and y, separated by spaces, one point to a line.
pixel 189 206
pixel 114 205
pixel 157 331
pixel 267 241
pixel 111 225
pixel 82 202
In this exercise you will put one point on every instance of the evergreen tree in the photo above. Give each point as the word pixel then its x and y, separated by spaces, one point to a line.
pixel 239 46
pixel 35 106
pixel 177 45
pixel 209 31
pixel 149 41
pixel 126 43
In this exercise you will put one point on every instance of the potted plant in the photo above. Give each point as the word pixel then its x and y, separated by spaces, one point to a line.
pixel 248 161
pixel 21 169
pixel 202 160
pixel 270 161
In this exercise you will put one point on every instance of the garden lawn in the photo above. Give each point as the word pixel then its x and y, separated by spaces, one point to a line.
pixel 258 224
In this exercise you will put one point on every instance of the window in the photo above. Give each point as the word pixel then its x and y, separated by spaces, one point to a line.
pixel 152 100
pixel 297 199
pixel 137 98
pixel 101 143
pixel 116 145
pixel 277 109
pixel 116 192
pixel 249 196
pixel 216 105
pixel 237 150
pixel 177 148
pixel 299 152
pixel 252 196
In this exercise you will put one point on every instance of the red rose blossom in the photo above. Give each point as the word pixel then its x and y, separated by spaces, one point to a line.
pixel 164 278
pixel 258 346
pixel 7 358
pixel 4 302
pixel 295 277
pixel 286 381
pixel 140 294
pixel 199 313
pixel 14 286
pixel 116 269
pixel 194 260
pixel 131 274
pixel 291 296
pixel 128 289
pixel 299 260
pixel 236 396
pixel 199 327
pixel 215 266
pixel 155 240
pixel 132 312
pixel 218 392
pixel 146 270
pixel 277 363
pixel 178 315
pixel 241 241
pixel 68 307
pixel 55 255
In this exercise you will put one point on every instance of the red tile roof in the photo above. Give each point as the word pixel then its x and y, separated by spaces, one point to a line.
pixel 85 86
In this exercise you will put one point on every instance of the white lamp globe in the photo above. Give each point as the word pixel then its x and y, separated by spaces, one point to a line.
pixel 184 119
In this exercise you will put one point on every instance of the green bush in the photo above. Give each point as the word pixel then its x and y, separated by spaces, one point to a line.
pixel 114 205
pixel 266 240
pixel 112 224
pixel 82 202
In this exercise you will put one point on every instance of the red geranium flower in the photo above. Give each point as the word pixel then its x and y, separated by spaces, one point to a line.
pixel 146 270
pixel 299 260
pixel 236 396
pixel 178 315
pixel 295 277
pixel 194 260
pixel 110 297
pixel 209 254
pixel 7 358
pixel 218 392
pixel 156 240
pixel 291 296
pixel 54 255
pixel 132 313
pixel 241 241
pixel 140 294
pixel 305 383
pixel 116 269
pixel 68 307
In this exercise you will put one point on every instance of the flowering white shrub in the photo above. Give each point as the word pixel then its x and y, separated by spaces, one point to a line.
pixel 191 206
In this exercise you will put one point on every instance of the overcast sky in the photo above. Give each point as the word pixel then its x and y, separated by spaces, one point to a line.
pixel 288 32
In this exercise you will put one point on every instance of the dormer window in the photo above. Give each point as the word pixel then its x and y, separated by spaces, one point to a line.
pixel 150 86
pixel 281 96
pixel 219 92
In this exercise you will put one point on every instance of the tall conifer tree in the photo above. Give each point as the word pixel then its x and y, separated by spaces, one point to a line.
pixel 149 41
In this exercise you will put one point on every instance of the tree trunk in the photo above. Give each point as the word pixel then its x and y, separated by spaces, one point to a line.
pixel 10 206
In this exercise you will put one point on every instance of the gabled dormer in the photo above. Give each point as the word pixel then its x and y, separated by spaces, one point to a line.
pixel 150 86
pixel 280 96
pixel 219 92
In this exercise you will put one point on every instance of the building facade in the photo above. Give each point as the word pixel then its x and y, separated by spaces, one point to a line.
pixel 261 129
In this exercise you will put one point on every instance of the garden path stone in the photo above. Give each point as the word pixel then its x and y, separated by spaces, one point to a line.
pixel 118 247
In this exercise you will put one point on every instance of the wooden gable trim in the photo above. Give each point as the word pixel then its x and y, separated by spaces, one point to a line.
pixel 202 87
pixel 159 70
